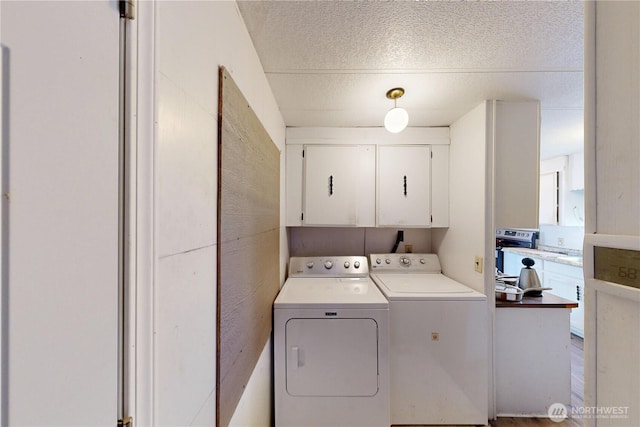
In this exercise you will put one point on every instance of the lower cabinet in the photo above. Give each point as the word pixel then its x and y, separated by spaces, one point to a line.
pixel 567 282
pixel 532 360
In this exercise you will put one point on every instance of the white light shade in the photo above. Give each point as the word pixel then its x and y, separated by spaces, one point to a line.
pixel 396 120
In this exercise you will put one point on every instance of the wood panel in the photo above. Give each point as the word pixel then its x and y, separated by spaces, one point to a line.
pixel 248 243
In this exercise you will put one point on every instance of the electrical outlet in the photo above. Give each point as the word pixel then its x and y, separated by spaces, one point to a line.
pixel 478 264
pixel 408 248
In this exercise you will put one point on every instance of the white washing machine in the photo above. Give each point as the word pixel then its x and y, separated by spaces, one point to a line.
pixel 438 342
pixel 331 362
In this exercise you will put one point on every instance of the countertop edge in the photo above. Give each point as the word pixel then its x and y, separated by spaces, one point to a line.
pixel 547 300
pixel 545 255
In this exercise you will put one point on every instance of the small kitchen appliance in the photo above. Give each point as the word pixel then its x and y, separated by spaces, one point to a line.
pixel 438 342
pixel 331 351
pixel 514 238
pixel 529 280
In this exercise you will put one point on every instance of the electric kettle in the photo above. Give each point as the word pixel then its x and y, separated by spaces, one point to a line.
pixel 529 280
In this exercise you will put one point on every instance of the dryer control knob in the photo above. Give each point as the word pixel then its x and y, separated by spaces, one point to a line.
pixel 378 261
pixel 356 264
pixel 405 261
pixel 422 261
pixel 328 265
pixel 346 264
pixel 310 264
pixel 388 261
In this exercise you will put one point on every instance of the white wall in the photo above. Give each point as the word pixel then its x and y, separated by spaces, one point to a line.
pixel 193 40
pixel 324 241
pixel 465 238
pixel 470 231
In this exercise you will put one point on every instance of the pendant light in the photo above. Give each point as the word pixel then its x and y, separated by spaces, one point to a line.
pixel 397 118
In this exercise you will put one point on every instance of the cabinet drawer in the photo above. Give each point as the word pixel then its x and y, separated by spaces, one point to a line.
pixel 564 270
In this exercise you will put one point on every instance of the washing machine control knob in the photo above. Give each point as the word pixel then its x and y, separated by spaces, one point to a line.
pixel 405 261
pixel 328 265
pixel 388 261
pixel 346 264
pixel 356 264
pixel 422 261
pixel 378 261
pixel 310 264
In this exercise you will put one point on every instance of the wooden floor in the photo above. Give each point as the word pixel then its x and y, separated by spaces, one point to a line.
pixel 577 372
pixel 535 422
pixel 577 394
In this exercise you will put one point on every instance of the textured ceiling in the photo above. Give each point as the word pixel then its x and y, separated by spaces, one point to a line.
pixel 330 63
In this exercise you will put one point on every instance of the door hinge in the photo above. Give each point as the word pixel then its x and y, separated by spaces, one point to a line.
pixel 302 216
pixel 431 219
pixel 127 9
pixel 126 421
pixel 302 153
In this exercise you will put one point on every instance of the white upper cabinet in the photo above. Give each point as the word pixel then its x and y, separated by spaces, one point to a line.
pixel 404 184
pixel 366 177
pixel 339 182
pixel 514 127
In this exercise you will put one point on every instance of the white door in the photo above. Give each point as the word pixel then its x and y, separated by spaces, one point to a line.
pixel 404 186
pixel 60 63
pixel 332 357
pixel 612 229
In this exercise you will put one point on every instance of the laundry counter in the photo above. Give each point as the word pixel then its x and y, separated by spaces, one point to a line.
pixel 532 355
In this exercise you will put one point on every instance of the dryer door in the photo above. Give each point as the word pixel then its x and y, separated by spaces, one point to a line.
pixel 332 357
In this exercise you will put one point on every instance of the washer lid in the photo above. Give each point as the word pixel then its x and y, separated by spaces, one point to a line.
pixel 330 292
pixel 422 286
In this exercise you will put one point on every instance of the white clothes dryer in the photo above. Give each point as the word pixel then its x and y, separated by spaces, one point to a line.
pixel 331 363
pixel 438 342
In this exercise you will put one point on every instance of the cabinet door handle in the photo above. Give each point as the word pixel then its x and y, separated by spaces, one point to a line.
pixel 578 292
pixel 405 185
pixel 331 185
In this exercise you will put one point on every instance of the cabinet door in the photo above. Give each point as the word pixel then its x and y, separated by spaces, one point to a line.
pixel 512 264
pixel 439 186
pixel 516 139
pixel 404 197
pixel 567 281
pixel 338 185
pixel 294 180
